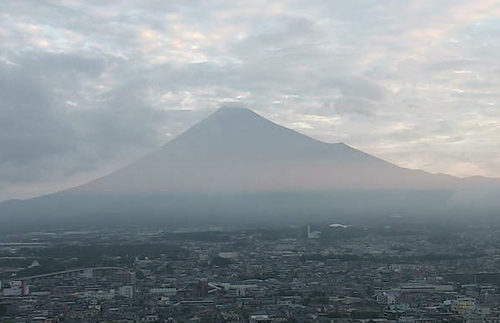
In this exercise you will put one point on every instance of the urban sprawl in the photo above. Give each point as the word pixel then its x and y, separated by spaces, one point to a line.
pixel 318 273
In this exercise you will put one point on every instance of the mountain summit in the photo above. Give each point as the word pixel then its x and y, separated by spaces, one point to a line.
pixel 237 150
pixel 232 128
pixel 237 163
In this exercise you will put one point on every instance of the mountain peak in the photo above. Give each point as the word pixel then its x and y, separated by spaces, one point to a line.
pixel 231 113
pixel 233 109
pixel 242 131
pixel 231 121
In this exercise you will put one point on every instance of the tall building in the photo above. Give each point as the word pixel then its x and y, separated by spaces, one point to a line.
pixel 201 289
pixel 312 234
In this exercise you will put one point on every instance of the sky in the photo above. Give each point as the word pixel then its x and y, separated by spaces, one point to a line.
pixel 87 87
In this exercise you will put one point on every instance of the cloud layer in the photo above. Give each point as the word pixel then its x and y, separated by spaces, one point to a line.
pixel 88 86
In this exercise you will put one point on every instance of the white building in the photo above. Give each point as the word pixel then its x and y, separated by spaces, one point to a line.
pixel 229 255
pixel 168 291
pixel 126 291
pixel 313 234
pixel 16 288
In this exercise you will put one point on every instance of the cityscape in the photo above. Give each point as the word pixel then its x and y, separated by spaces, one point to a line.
pixel 310 273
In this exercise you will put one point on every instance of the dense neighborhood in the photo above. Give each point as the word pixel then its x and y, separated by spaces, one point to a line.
pixel 334 273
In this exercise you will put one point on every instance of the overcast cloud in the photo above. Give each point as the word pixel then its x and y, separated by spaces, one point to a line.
pixel 89 86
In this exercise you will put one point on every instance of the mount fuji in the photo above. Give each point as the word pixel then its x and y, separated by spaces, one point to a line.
pixel 236 166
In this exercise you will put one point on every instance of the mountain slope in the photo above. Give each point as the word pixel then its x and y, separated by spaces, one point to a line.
pixel 236 150
pixel 236 164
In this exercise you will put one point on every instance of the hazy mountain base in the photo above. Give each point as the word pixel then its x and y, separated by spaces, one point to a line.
pixel 62 209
